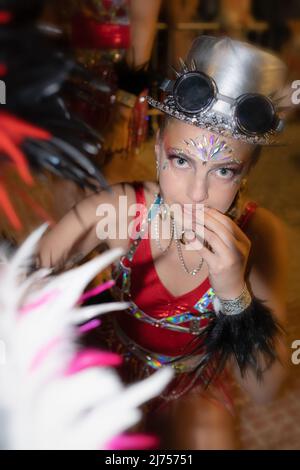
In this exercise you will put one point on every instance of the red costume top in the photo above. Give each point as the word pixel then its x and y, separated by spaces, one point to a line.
pixel 148 292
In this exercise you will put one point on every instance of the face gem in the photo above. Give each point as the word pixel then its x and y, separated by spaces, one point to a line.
pixel 165 165
pixel 209 149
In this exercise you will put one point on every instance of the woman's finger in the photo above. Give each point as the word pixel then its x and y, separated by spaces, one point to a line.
pixel 216 227
pixel 202 214
pixel 227 222
pixel 200 239
pixel 222 225
pixel 209 258
pixel 217 244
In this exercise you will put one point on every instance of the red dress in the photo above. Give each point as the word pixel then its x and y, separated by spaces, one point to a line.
pixel 152 297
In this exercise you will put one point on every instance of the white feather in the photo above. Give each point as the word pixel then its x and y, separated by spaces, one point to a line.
pixel 87 313
pixel 42 407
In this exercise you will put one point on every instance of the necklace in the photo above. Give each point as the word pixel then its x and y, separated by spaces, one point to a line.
pixel 156 228
pixel 192 272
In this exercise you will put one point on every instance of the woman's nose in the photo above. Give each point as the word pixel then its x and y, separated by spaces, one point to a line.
pixel 197 190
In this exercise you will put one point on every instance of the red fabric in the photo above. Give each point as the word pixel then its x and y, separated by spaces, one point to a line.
pixel 3 69
pixel 89 33
pixel 5 16
pixel 248 211
pixel 148 292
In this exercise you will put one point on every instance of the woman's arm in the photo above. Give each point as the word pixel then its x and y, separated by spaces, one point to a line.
pixel 77 234
pixel 143 19
pixel 243 328
pixel 268 281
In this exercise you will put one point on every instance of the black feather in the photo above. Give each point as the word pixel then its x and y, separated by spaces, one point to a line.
pixel 38 66
pixel 249 337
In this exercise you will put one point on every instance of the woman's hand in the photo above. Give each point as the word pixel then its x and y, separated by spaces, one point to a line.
pixel 226 254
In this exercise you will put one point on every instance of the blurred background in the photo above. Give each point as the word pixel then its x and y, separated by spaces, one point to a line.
pixel 132 47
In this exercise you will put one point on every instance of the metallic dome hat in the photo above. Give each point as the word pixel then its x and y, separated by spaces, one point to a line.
pixel 229 87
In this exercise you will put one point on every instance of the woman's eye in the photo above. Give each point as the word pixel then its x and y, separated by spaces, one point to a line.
pixel 179 162
pixel 226 173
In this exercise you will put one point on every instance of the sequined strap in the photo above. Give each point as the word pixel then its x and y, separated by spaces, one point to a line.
pixel 156 360
pixel 197 324
pixel 202 304
pixel 172 322
pixel 122 268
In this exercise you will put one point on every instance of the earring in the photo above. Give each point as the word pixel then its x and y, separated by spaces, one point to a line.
pixel 163 212
pixel 243 184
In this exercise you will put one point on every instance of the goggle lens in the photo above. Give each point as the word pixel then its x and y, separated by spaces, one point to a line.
pixel 193 92
pixel 255 114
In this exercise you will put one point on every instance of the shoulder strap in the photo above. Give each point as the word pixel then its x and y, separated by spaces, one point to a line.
pixel 139 192
pixel 144 218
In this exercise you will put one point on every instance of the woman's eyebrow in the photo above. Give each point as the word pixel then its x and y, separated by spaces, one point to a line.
pixel 231 161
pixel 193 157
pixel 181 153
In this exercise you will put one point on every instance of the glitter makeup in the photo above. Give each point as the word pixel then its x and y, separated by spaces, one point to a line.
pixel 208 149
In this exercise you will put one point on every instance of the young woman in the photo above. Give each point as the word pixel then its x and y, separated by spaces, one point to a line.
pixel 210 291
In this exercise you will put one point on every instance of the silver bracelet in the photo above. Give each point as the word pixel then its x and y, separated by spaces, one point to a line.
pixel 233 306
